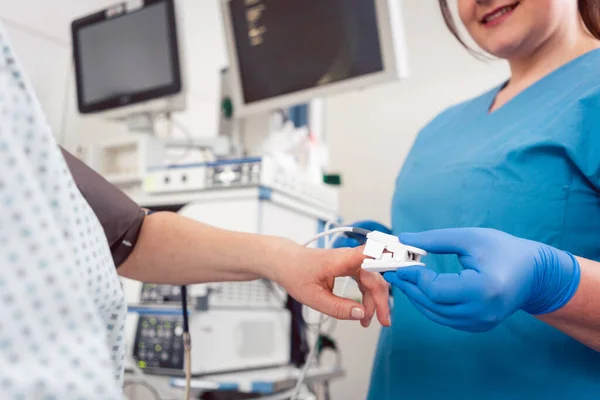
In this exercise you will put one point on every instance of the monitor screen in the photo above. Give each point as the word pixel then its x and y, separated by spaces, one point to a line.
pixel 285 46
pixel 128 58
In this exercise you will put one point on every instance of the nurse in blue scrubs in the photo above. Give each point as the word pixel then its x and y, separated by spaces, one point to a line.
pixel 503 190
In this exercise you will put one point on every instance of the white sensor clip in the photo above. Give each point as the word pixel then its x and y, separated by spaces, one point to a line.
pixel 388 254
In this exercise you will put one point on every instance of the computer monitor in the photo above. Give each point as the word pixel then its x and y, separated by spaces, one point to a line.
pixel 287 52
pixel 128 60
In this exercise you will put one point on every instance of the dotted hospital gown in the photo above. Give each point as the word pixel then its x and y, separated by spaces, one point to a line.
pixel 62 310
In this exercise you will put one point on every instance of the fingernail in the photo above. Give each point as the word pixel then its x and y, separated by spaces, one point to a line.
pixel 357 313
pixel 389 321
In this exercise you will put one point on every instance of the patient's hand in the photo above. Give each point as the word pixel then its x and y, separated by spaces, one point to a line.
pixel 309 277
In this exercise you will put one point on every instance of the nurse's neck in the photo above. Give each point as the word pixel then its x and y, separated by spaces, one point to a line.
pixel 556 51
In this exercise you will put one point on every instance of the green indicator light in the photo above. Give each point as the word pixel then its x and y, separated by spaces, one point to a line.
pixel 152 321
pixel 142 364
pixel 158 348
pixel 145 324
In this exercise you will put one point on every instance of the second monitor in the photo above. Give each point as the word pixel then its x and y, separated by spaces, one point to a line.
pixel 285 52
pixel 128 60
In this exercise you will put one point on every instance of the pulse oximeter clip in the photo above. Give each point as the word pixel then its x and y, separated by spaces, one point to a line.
pixel 388 254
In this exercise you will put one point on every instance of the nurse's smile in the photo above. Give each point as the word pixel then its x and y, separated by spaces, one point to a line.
pixel 499 15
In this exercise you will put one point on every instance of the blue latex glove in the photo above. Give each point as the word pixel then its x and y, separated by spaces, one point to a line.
pixel 502 274
pixel 353 241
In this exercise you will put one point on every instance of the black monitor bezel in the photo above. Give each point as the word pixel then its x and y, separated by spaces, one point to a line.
pixel 132 98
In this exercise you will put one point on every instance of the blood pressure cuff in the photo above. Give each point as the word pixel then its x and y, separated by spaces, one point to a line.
pixel 120 217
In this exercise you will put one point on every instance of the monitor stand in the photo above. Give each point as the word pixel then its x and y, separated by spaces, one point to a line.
pixel 160 125
pixel 142 123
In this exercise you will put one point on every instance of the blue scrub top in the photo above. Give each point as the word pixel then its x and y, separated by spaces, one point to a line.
pixel 532 169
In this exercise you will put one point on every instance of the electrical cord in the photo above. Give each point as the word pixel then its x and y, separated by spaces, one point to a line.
pixel 274 292
pixel 171 123
pixel 329 240
pixel 342 229
pixel 187 343
pixel 333 320
pixel 323 317
pixel 326 342
pixel 141 378
pixel 312 354
pixel 188 135
pixel 140 382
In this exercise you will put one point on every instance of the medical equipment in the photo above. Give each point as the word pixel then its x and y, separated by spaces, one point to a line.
pixel 130 162
pixel 124 161
pixel 130 66
pixel 299 379
pixel 224 340
pixel 129 61
pixel 286 53
pixel 377 244
pixel 219 309
pixel 227 308
pixel 388 254
pixel 235 326
pixel 263 172
pixel 272 382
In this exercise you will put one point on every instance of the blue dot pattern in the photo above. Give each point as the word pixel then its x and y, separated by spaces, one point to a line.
pixel 62 316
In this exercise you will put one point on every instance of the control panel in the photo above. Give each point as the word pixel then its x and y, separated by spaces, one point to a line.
pixel 240 173
pixel 252 295
pixel 233 174
pixel 159 343
pixel 258 294
pixel 160 293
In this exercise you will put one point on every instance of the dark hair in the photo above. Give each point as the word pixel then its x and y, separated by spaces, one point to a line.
pixel 589 10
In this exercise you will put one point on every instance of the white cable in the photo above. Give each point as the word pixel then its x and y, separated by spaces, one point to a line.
pixel 329 240
pixel 141 376
pixel 334 238
pixel 323 317
pixel 331 328
pixel 327 233
pixel 309 360
pixel 329 224
pixel 328 243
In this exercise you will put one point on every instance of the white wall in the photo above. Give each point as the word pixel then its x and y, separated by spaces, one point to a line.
pixel 369 132
pixel 42 42
pixel 39 31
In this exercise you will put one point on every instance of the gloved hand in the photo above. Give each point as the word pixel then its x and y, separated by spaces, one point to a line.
pixel 351 240
pixel 503 274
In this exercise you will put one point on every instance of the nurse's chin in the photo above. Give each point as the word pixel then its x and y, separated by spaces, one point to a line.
pixel 506 47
